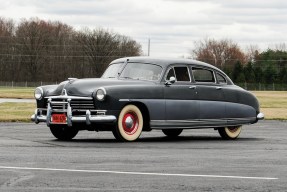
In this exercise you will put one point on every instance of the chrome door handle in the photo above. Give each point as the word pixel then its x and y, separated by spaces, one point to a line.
pixel 192 87
pixel 218 88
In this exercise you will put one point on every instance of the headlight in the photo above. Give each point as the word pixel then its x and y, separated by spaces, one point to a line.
pixel 101 94
pixel 38 93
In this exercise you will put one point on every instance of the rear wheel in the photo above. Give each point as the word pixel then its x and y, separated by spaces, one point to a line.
pixel 63 132
pixel 229 133
pixel 172 132
pixel 130 124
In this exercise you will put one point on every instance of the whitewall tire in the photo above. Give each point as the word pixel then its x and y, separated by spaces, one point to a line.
pixel 230 133
pixel 130 124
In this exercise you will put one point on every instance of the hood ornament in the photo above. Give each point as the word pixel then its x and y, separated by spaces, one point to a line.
pixel 71 79
pixel 64 92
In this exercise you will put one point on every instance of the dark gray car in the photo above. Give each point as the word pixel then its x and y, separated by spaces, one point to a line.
pixel 141 94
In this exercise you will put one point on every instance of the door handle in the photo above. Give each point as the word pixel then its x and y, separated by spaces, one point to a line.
pixel 218 88
pixel 192 87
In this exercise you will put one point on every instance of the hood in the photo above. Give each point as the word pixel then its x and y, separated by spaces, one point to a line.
pixel 86 87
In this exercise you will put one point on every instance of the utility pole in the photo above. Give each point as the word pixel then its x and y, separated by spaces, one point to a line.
pixel 148 47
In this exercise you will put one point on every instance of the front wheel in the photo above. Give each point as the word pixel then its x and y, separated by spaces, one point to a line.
pixel 63 132
pixel 230 133
pixel 130 124
pixel 172 132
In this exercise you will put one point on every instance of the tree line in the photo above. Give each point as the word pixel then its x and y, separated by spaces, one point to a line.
pixel 250 66
pixel 51 51
pixel 38 50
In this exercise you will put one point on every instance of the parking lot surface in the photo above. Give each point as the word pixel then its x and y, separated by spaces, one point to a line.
pixel 31 159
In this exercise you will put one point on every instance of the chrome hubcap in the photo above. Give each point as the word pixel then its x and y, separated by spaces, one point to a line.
pixel 129 122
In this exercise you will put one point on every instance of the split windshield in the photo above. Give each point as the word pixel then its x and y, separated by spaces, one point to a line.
pixel 113 71
pixel 137 71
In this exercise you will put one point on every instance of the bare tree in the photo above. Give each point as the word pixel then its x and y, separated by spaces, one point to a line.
pixel 222 53
pixel 7 28
pixel 252 51
pixel 33 39
pixel 38 50
pixel 281 47
pixel 102 46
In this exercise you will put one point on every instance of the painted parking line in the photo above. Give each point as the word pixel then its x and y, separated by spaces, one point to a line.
pixel 136 173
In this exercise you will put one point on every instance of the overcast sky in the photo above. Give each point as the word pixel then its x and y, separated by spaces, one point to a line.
pixel 171 25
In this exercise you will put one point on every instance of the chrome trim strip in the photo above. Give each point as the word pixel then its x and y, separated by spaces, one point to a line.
pixel 200 123
pixel 59 102
pixel 68 97
pixel 204 120
pixel 124 100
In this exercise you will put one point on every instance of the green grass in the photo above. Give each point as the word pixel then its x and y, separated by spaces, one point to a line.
pixel 23 93
pixel 273 104
pixel 16 112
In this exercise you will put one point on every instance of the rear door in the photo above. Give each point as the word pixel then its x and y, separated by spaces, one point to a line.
pixel 211 96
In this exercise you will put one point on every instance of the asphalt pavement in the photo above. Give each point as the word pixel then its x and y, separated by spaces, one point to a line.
pixel 31 159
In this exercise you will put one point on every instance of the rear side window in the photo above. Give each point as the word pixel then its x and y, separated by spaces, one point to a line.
pixel 221 79
pixel 203 75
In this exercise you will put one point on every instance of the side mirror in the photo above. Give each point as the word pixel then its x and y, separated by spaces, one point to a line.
pixel 170 81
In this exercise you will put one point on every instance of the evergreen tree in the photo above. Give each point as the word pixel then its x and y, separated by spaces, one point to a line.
pixel 258 72
pixel 270 74
pixel 238 73
pixel 281 75
pixel 249 73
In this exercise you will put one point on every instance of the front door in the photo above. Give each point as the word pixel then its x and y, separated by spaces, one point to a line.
pixel 182 106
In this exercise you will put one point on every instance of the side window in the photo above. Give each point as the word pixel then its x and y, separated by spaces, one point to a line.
pixel 221 79
pixel 182 74
pixel 203 75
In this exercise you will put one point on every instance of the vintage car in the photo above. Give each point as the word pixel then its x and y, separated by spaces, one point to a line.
pixel 139 94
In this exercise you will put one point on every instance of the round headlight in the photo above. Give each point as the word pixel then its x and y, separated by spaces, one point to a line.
pixel 101 94
pixel 38 93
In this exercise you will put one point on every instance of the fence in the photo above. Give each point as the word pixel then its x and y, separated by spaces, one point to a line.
pixel 263 87
pixel 13 84
pixel 247 86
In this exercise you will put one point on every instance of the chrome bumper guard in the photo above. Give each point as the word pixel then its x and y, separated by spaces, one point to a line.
pixel 88 118
pixel 260 116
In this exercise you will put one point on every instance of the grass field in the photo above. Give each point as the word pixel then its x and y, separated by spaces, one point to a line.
pixel 18 92
pixel 16 112
pixel 273 104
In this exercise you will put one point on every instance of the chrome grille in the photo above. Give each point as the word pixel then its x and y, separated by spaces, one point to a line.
pixel 76 104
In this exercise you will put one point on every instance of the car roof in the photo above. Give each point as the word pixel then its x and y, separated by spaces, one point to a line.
pixel 164 62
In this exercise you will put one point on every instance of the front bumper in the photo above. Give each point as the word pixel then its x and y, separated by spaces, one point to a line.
pixel 99 117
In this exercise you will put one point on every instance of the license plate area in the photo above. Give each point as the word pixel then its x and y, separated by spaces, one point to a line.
pixel 59 118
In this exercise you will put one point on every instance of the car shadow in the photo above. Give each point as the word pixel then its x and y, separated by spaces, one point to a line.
pixel 163 139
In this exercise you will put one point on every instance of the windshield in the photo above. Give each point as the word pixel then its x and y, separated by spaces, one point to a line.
pixel 141 71
pixel 112 71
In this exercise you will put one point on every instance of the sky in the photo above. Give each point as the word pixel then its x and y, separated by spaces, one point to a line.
pixel 171 25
